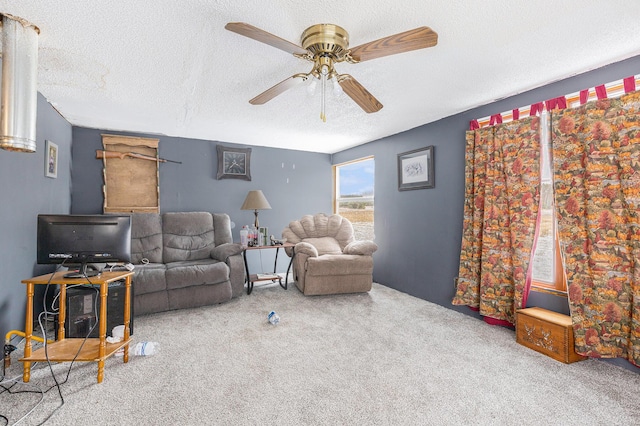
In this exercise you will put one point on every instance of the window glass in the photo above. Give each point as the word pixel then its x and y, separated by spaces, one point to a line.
pixel 353 192
pixel 547 268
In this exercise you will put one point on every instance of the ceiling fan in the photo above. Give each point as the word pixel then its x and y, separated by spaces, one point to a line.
pixel 328 44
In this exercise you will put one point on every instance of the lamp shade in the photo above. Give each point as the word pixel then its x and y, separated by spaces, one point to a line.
pixel 255 201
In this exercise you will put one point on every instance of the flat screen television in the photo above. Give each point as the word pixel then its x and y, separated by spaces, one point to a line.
pixel 83 239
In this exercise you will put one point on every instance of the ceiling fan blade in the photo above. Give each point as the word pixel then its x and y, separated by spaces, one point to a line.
pixel 359 94
pixel 415 39
pixel 278 89
pixel 262 36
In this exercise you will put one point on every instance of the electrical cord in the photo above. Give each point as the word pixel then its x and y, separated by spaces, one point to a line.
pixel 37 390
pixel 14 381
pixel 55 313
pixel 46 315
pixel 45 312
pixel 86 337
pixel 8 390
pixel 49 316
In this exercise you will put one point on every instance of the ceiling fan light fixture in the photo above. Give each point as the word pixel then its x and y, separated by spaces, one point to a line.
pixel 311 88
pixel 337 89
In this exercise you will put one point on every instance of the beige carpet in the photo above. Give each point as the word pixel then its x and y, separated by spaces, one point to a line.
pixel 379 358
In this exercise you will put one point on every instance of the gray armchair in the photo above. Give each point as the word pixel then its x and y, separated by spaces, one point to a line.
pixel 327 259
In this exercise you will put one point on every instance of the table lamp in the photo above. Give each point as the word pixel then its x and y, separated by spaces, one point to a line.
pixel 255 201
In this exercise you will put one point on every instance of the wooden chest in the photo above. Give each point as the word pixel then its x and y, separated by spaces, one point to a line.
pixel 547 332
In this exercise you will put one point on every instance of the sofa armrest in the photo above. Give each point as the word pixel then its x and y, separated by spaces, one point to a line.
pixel 231 254
pixel 236 274
pixel 223 251
pixel 364 248
pixel 307 249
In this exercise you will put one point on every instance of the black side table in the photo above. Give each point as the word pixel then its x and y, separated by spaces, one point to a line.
pixel 251 278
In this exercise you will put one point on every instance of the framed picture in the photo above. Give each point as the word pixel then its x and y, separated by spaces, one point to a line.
pixel 415 169
pixel 234 163
pixel 51 160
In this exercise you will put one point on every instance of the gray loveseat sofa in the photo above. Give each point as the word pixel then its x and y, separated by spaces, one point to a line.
pixel 184 260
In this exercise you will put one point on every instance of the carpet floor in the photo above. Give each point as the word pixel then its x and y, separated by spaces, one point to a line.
pixel 381 358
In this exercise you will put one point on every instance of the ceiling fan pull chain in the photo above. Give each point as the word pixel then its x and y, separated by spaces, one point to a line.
pixel 323 78
pixel 323 117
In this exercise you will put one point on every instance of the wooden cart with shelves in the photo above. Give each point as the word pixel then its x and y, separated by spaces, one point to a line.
pixel 77 349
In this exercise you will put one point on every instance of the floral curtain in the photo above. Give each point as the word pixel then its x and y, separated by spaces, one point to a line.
pixel 502 181
pixel 596 150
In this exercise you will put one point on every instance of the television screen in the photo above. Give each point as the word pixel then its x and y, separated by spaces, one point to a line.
pixel 83 239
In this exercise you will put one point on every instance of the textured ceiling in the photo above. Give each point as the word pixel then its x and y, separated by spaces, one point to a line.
pixel 169 67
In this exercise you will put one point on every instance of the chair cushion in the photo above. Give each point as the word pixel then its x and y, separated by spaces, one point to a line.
pixel 146 237
pixel 313 226
pixel 187 236
pixel 325 245
pixel 196 273
pixel 149 278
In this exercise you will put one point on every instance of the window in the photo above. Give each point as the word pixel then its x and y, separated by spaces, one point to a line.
pixel 353 195
pixel 548 273
pixel 548 269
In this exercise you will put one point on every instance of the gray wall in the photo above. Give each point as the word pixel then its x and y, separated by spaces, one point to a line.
pixel 419 232
pixel 25 192
pixel 294 182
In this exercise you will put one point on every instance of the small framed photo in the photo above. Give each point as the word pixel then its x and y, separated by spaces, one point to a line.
pixel 51 160
pixel 415 169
